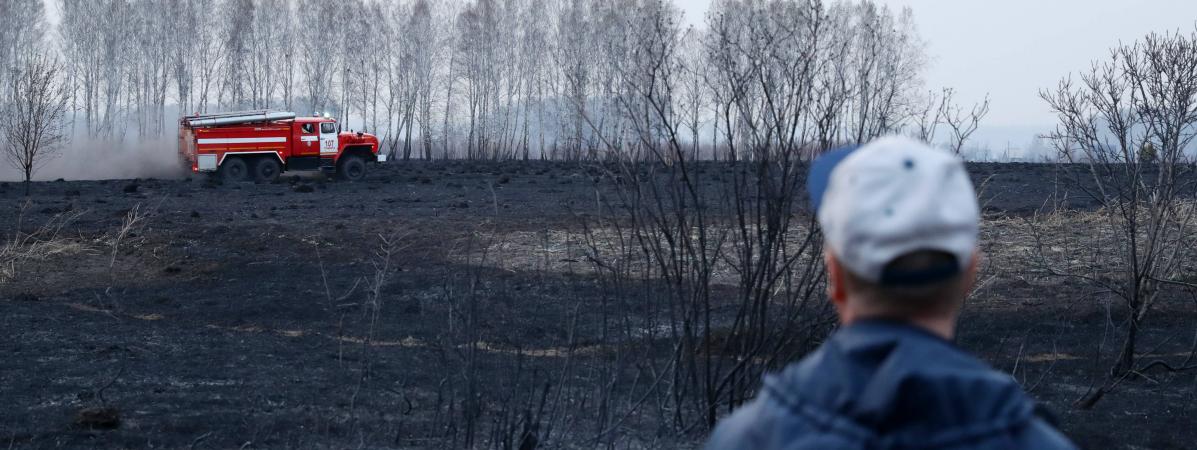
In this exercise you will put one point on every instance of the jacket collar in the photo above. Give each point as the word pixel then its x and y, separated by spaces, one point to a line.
pixel 894 383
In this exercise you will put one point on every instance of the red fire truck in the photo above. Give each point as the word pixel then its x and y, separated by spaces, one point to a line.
pixel 259 145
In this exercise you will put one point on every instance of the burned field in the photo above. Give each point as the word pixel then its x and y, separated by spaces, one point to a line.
pixel 458 304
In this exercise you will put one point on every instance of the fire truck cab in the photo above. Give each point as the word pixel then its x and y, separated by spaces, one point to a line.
pixel 260 145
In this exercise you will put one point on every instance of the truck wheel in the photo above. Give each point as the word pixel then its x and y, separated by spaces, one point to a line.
pixel 266 169
pixel 234 169
pixel 351 168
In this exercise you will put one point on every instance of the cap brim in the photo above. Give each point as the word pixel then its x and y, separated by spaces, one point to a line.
pixel 820 173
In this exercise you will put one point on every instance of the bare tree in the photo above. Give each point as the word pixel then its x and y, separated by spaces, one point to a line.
pixel 34 127
pixel 236 30
pixel 347 54
pixel 963 123
pixel 423 39
pixel 885 62
pixel 1143 96
pixel 941 110
pixel 266 53
pixel 693 96
pixel 374 77
pixel 21 25
pixel 316 54
pixel 575 65
pixel 183 18
pixel 88 45
pixel 398 56
pixel 479 44
pixel 150 71
pixel 775 118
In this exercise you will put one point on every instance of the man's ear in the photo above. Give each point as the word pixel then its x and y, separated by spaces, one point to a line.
pixel 836 290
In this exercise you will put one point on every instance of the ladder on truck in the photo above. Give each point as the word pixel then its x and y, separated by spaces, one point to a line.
pixel 236 117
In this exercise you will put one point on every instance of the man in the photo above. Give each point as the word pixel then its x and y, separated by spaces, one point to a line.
pixel 900 221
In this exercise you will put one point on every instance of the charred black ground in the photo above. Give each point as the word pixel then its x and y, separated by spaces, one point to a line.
pixel 240 315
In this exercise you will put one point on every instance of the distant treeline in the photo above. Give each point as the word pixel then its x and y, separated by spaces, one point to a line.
pixel 494 78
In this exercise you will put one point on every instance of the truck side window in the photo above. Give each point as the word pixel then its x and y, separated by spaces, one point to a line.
pixel 308 128
pixel 328 127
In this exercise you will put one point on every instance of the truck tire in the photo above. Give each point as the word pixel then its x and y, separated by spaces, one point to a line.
pixel 234 169
pixel 266 169
pixel 351 168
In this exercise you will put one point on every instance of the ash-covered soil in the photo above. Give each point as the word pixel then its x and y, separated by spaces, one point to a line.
pixel 311 313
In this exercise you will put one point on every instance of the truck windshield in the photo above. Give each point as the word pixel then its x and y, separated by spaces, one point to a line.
pixel 328 127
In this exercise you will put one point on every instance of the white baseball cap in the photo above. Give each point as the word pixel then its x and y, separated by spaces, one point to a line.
pixel 892 197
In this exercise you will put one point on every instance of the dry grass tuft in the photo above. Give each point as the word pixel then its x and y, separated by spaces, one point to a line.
pixel 47 241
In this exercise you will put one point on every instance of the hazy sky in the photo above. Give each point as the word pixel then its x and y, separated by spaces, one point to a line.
pixel 1013 48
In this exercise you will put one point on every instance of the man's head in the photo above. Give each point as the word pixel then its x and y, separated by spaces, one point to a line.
pixel 900 222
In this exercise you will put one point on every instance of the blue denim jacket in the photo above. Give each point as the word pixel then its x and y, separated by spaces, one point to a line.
pixel 888 385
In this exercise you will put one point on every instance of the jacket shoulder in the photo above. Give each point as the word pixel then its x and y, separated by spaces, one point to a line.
pixel 765 424
pixel 743 429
